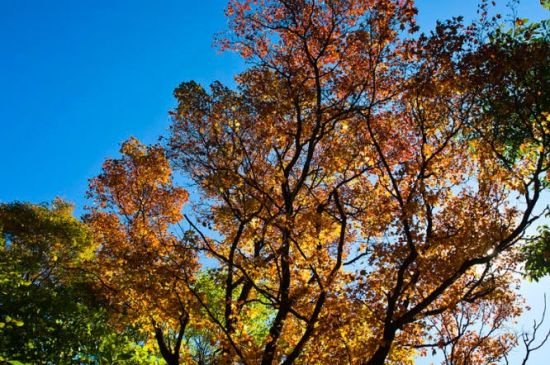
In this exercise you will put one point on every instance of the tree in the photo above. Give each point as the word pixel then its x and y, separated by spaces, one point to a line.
pixel 537 255
pixel 142 268
pixel 363 181
pixel 48 311
pixel 530 39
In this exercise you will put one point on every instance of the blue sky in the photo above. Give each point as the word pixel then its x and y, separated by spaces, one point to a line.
pixel 79 77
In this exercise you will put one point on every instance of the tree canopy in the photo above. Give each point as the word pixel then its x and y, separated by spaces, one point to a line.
pixel 361 196
pixel 365 180
pixel 49 313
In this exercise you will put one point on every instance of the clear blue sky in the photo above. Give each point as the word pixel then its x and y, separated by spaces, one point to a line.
pixel 77 77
